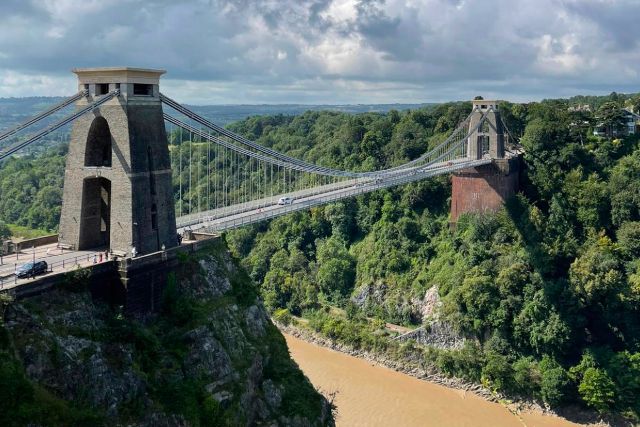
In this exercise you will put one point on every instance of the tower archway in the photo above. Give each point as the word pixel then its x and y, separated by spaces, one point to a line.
pixel 98 148
pixel 95 218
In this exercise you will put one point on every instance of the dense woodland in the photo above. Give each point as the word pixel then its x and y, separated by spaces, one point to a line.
pixel 547 290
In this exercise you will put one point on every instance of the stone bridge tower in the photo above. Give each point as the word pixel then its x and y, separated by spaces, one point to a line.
pixel 488 139
pixel 117 185
pixel 485 188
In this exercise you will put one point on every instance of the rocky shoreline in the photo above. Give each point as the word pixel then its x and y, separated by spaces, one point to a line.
pixel 413 368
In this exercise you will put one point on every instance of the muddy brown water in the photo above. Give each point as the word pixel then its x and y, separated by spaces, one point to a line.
pixel 373 395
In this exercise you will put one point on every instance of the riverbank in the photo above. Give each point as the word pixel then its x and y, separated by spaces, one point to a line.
pixel 410 367
pixel 416 368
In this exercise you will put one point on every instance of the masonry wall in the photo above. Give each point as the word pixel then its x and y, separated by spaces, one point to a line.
pixel 484 188
pixel 140 155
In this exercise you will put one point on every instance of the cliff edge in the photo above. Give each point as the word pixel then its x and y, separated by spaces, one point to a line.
pixel 211 357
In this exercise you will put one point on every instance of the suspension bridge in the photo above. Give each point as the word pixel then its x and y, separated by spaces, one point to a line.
pixel 142 167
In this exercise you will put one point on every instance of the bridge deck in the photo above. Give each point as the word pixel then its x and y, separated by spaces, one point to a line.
pixel 215 221
pixel 239 215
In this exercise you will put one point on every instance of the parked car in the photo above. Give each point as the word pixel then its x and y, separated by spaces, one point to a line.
pixel 285 201
pixel 32 269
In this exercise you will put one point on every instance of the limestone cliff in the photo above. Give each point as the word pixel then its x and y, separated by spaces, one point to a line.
pixel 212 357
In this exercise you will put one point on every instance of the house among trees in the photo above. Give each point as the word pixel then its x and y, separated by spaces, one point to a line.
pixel 615 122
pixel 580 107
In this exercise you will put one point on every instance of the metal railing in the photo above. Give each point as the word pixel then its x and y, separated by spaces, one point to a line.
pixel 63 264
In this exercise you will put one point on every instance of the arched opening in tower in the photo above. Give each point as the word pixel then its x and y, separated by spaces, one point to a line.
pixel 98 148
pixel 95 220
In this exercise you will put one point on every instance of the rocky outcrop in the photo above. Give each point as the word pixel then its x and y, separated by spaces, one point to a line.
pixel 427 307
pixel 212 357
pixel 395 302
pixel 436 334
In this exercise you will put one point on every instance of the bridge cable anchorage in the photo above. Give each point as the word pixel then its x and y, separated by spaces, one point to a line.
pixel 19 145
pixel 302 165
pixel 44 114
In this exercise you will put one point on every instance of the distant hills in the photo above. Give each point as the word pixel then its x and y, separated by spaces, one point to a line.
pixel 15 110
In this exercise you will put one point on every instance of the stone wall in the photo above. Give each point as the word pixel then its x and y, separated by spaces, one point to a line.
pixel 437 334
pixel 35 242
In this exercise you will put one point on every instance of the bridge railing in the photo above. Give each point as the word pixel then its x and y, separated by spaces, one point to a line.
pixel 213 214
pixel 63 264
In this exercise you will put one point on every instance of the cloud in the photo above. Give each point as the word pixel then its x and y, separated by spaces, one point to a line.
pixel 244 51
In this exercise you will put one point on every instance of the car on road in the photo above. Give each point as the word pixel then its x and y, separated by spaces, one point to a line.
pixel 285 201
pixel 32 269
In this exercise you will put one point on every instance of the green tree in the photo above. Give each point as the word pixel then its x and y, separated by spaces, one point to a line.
pixel 635 104
pixel 526 375
pixel 611 117
pixel 597 275
pixel 336 271
pixel 498 372
pixel 629 239
pixel 597 389
pixel 5 233
pixel 554 381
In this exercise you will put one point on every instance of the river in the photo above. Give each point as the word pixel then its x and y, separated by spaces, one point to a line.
pixel 373 395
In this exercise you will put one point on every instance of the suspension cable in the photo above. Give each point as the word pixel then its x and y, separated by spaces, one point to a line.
pixel 44 114
pixel 19 145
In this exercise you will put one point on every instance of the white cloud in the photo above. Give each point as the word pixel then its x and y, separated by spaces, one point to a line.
pixel 319 50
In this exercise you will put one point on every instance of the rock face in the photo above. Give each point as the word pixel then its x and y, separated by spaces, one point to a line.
pixel 435 334
pixel 211 357
pixel 429 306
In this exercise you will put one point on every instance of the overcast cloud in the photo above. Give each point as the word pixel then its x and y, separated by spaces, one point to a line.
pixel 328 51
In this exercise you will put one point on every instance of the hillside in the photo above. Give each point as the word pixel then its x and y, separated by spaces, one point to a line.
pixel 545 292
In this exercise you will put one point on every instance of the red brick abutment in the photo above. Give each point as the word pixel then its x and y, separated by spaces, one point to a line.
pixel 484 188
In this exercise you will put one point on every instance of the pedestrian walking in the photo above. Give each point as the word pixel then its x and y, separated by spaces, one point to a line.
pixel 106 255
pixel 100 257
pixel 94 258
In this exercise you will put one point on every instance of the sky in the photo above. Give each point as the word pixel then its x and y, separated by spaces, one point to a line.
pixel 328 51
